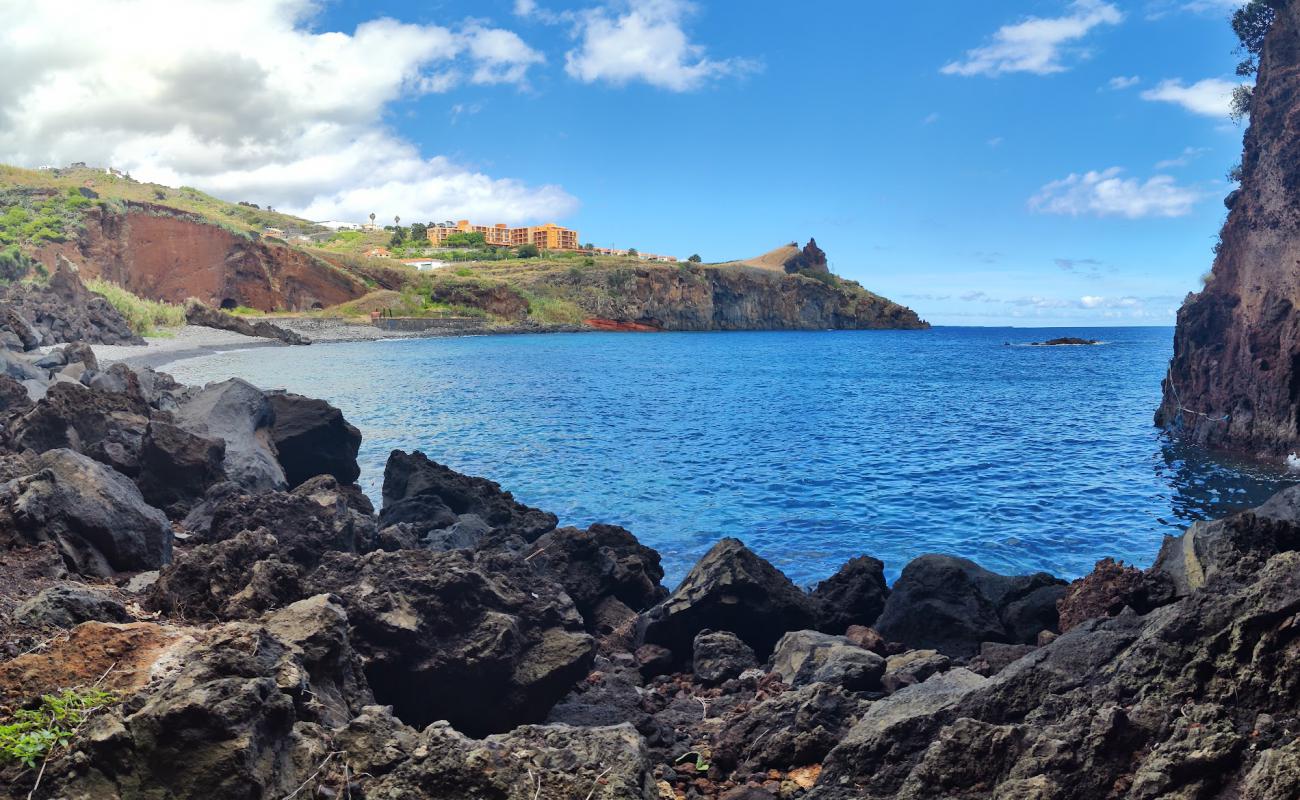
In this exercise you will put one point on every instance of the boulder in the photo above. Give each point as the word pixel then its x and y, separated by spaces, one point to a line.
pixel 913 667
pixel 1106 591
pixel 803 657
pixel 14 322
pixel 995 657
pixel 953 605
pixel 314 519
pixel 730 589
pixel 532 762
pixel 236 578
pixel 720 656
pixel 64 310
pixel 601 562
pixel 792 729
pixel 239 414
pixel 480 640
pixel 178 467
pixel 430 496
pixel 466 533
pixel 312 438
pixel 95 515
pixel 316 632
pixel 853 596
pixel 14 398
pixel 107 426
pixel 68 605
pixel 197 313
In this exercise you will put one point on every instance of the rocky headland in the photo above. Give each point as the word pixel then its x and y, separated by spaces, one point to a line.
pixel 1234 381
pixel 199 601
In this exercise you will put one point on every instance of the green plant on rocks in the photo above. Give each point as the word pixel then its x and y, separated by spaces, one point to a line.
pixel 32 734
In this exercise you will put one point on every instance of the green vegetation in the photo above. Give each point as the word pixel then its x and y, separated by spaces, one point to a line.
pixel 1251 23
pixel 14 264
pixel 36 218
pixel 528 251
pixel 31 735
pixel 465 240
pixel 695 258
pixel 548 310
pixel 141 314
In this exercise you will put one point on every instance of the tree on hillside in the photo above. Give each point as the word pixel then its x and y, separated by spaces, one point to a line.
pixel 14 264
pixel 528 251
pixel 632 252
pixel 399 237
pixel 1251 23
pixel 465 240
pixel 419 232
pixel 695 259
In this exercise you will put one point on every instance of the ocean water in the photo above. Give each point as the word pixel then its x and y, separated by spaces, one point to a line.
pixel 810 447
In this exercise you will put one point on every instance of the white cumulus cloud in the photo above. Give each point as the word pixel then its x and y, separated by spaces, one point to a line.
pixel 1106 193
pixel 643 40
pixel 247 99
pixel 1211 97
pixel 1037 45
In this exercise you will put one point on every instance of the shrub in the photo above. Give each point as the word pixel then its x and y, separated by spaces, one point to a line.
pixel 141 314
pixel 465 240
pixel 554 311
pixel 31 734
pixel 695 258
pixel 528 251
pixel 14 264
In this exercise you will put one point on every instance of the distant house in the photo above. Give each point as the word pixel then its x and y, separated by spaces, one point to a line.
pixel 379 252
pixel 335 225
pixel 276 232
pixel 425 264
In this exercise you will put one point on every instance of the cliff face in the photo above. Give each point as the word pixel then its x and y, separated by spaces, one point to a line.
pixel 731 299
pixel 1234 381
pixel 160 254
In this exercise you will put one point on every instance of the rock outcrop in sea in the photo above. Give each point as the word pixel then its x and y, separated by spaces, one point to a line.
pixel 1234 381
pixel 205 557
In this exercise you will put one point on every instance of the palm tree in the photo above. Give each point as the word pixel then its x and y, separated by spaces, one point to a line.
pixel 397 222
pixel 372 219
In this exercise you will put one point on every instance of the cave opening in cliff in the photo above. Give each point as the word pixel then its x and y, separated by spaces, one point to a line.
pixel 229 304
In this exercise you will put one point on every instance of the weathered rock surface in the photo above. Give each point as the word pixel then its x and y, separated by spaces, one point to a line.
pixel 68 605
pixel 853 596
pixel 789 730
pixel 730 589
pixel 95 515
pixel 720 656
pixel 482 641
pixel 952 605
pixel 197 313
pixel 1234 380
pixel 239 414
pixel 804 657
pixel 178 467
pixel 312 438
pixel 62 310
pixel 430 496
pixel 604 561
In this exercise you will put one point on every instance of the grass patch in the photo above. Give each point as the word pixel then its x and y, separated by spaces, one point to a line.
pixel 141 314
pixel 32 734
pixel 554 311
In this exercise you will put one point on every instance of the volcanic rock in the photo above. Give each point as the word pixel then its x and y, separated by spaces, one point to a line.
pixel 803 657
pixel 853 596
pixel 730 589
pixel 601 562
pixel 430 496
pixel 720 656
pixel 238 413
pixel 312 438
pixel 95 515
pixel 178 467
pixel 789 730
pixel 67 605
pixel 953 605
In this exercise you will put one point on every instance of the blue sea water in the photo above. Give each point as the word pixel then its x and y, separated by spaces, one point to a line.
pixel 810 447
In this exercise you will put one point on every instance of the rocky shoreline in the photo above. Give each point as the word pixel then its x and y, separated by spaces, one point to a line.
pixel 204 557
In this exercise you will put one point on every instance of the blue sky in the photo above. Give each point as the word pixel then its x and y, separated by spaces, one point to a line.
pixel 1030 163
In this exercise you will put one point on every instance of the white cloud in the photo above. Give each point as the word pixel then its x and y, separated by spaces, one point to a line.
pixel 1106 194
pixel 1211 97
pixel 1122 82
pixel 244 98
pixel 1037 45
pixel 643 40
pixel 1184 158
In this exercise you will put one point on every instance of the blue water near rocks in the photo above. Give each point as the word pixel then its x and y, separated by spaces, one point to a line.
pixel 810 447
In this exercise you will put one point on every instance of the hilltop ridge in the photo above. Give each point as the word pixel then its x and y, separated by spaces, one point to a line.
pixel 173 244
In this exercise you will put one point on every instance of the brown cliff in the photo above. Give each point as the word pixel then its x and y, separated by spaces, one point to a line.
pixel 1234 381
pixel 164 254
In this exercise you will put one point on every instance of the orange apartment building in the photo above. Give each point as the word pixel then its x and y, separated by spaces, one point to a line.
pixel 547 237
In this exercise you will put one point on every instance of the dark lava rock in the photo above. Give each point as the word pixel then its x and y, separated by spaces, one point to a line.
pixel 653 660
pixel 547 762
pixel 995 657
pixel 314 519
pixel 730 589
pixel 953 605
pixel 431 496
pixel 316 631
pixel 67 605
pixel 197 313
pixel 1064 341
pixel 107 426
pixel 13 396
pixel 792 729
pixel 1105 592
pixel 720 656
pixel 482 641
pixel 239 414
pixel 811 259
pixel 803 657
pixel 912 667
pixel 62 310
pixel 853 596
pixel 95 515
pixel 312 438
pixel 600 562
pixel 236 578
pixel 178 467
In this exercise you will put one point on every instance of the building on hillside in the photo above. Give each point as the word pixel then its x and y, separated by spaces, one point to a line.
pixel 379 252
pixel 547 237
pixel 610 251
pixel 425 264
